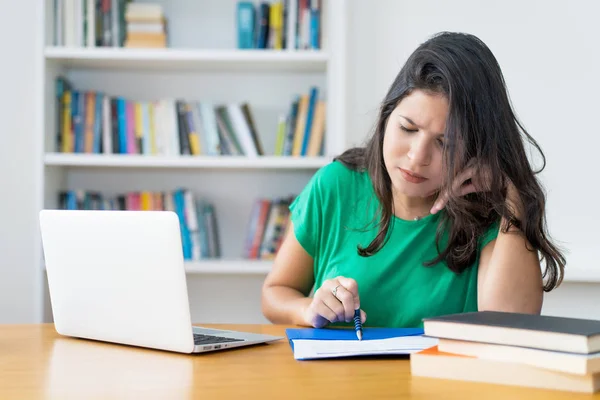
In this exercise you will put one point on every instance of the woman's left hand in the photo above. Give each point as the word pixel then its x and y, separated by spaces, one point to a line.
pixel 468 181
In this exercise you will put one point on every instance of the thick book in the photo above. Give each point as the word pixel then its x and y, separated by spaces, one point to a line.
pixel 432 363
pixel 527 330
pixel 572 363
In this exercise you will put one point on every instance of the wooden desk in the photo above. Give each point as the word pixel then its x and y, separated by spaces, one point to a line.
pixel 36 363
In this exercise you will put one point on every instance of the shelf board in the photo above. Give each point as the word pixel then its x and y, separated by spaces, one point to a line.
pixel 263 267
pixel 207 162
pixel 188 59
pixel 229 267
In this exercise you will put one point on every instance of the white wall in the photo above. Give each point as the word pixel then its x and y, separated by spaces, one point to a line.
pixel 382 34
pixel 549 54
pixel 17 166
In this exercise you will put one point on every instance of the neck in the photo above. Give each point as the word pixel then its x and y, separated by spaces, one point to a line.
pixel 412 208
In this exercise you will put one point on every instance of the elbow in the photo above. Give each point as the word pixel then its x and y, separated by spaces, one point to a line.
pixel 266 303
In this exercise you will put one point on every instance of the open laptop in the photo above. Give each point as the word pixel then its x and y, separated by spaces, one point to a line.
pixel 119 276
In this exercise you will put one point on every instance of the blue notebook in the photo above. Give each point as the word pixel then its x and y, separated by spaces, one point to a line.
pixel 317 343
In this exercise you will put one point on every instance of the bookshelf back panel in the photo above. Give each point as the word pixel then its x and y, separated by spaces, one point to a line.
pixel 206 24
pixel 232 192
pixel 268 94
pixel 54 178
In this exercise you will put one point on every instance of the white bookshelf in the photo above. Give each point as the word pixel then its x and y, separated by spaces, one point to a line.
pixel 201 63
pixel 189 59
pixel 229 267
pixel 213 162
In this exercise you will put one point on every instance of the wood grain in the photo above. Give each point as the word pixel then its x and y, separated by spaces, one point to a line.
pixel 37 363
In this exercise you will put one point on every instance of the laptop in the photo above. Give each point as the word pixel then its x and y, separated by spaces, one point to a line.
pixel 119 276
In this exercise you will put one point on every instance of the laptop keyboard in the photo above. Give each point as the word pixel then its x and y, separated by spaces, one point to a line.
pixel 200 339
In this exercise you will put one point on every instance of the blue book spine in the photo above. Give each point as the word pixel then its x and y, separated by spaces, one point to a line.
pixel 71 200
pixel 122 125
pixel 245 24
pixel 314 28
pixel 312 100
pixel 98 123
pixel 80 122
pixel 75 118
pixel 204 249
pixel 185 234
pixel 262 25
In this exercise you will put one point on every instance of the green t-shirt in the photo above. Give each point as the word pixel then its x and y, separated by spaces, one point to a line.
pixel 337 211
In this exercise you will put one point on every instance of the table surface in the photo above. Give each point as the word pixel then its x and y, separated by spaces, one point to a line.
pixel 36 362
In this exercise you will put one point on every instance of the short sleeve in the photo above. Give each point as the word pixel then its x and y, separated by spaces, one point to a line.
pixel 306 214
pixel 319 198
pixel 490 234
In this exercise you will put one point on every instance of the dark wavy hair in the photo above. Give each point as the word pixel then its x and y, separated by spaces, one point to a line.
pixel 481 131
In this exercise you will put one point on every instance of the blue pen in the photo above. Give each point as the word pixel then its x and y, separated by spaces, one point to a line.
pixel 357 324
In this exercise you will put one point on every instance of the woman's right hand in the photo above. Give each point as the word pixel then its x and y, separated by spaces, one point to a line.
pixel 326 308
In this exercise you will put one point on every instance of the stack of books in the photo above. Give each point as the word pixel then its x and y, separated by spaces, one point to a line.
pixel 146 26
pixel 513 349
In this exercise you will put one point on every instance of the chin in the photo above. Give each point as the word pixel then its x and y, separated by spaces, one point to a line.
pixel 413 190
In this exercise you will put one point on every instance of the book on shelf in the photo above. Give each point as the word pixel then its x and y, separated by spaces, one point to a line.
pixel 279 24
pixel 109 23
pixel 93 122
pixel 514 349
pixel 267 227
pixel 146 26
pixel 197 216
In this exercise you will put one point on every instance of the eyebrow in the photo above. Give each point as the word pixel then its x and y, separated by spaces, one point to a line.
pixel 410 121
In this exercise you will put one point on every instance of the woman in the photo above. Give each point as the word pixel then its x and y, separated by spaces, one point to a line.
pixel 440 213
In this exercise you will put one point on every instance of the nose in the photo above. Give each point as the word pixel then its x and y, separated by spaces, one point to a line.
pixel 420 151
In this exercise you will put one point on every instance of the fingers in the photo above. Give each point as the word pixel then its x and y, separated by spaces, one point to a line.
pixel 470 180
pixel 334 308
pixel 318 314
pixel 439 203
pixel 351 286
pixel 469 188
pixel 346 299
pixel 458 186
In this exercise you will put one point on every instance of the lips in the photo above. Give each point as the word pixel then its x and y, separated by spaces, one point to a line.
pixel 411 177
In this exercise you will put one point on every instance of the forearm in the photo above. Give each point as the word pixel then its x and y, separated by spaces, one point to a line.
pixel 284 305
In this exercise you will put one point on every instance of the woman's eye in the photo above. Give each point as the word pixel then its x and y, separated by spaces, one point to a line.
pixel 405 129
pixel 440 142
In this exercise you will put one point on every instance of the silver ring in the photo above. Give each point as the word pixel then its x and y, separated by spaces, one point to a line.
pixel 334 291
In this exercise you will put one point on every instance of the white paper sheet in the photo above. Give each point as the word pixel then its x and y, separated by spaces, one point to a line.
pixel 311 349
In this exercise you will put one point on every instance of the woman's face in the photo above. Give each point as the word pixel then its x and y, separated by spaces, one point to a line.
pixel 413 144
